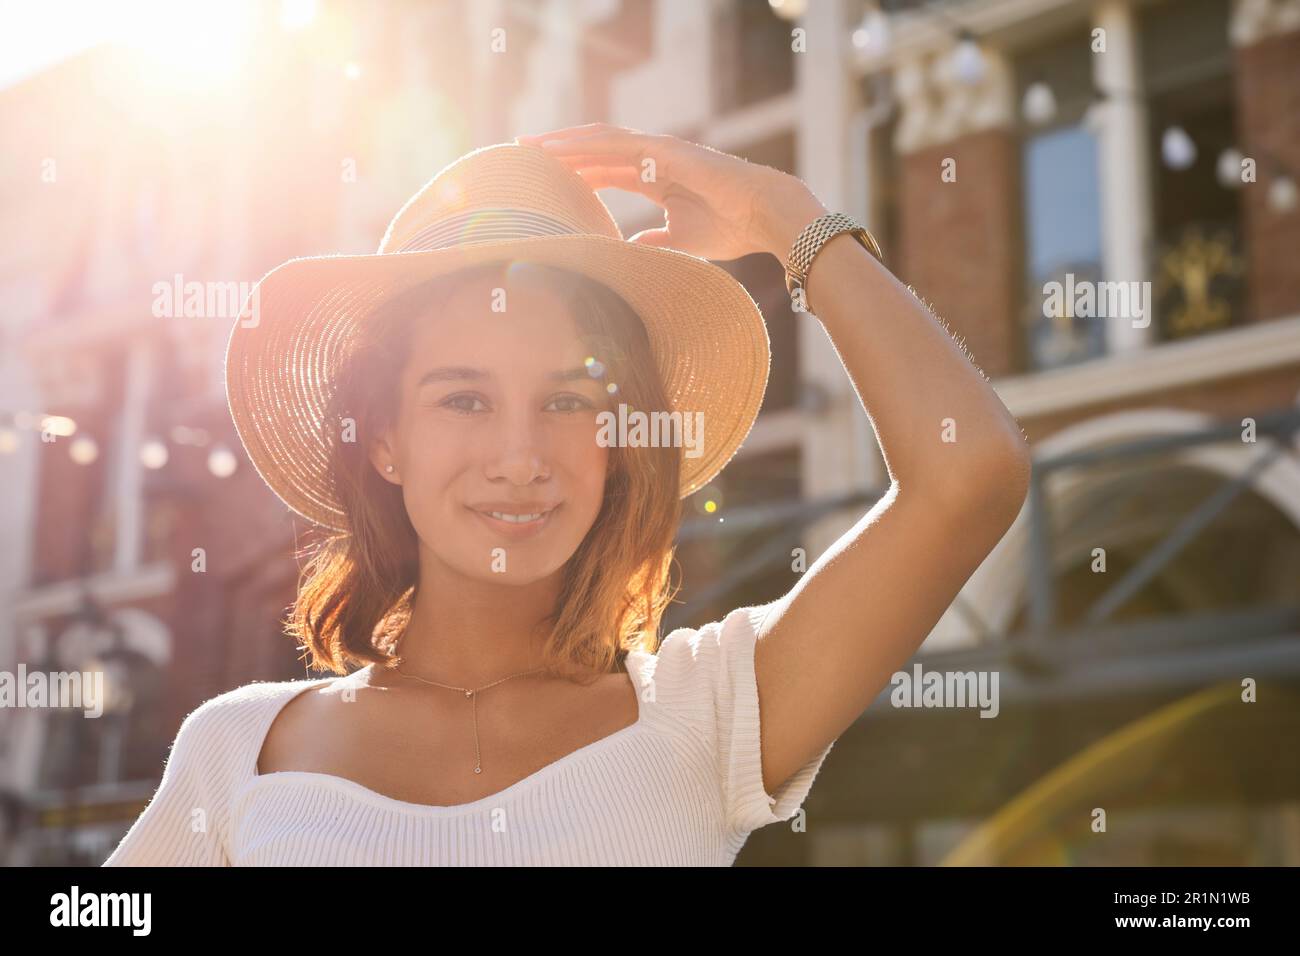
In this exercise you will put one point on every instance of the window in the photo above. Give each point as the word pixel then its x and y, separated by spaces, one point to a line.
pixel 1063 240
pixel 1197 266
pixel 753 59
pixel 1061 198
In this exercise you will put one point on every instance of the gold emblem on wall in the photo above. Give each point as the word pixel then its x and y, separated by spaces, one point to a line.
pixel 1195 282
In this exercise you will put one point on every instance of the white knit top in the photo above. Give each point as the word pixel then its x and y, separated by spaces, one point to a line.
pixel 682 786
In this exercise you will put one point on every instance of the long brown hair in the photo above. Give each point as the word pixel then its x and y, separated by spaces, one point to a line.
pixel 357 590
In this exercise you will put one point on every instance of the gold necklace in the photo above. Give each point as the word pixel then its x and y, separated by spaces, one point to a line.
pixel 472 694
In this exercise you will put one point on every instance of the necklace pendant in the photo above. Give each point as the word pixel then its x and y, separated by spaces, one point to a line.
pixel 478 769
pixel 469 693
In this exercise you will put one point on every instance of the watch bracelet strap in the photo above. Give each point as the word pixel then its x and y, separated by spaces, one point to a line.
pixel 814 236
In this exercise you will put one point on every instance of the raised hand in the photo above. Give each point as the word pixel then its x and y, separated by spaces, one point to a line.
pixel 716 206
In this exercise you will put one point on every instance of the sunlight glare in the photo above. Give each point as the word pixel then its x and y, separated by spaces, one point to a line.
pixel 196 45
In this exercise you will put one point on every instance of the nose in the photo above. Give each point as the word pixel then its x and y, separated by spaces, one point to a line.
pixel 519 452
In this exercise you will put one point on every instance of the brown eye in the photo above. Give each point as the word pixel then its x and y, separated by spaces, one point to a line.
pixel 455 403
pixel 580 403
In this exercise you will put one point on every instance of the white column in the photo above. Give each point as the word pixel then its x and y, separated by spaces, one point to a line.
pixel 128 478
pixel 869 467
pixel 26 728
pixel 1127 224
pixel 826 88
pixel 671 91
pixel 20 477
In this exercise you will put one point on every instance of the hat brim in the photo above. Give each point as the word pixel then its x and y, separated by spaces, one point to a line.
pixel 707 335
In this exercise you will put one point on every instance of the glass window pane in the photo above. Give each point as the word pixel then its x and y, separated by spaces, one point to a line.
pixel 1062 238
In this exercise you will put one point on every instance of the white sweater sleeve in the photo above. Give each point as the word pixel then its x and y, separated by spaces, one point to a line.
pixel 708 676
pixel 184 823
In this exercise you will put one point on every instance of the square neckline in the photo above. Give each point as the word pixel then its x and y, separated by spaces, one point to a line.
pixel 254 779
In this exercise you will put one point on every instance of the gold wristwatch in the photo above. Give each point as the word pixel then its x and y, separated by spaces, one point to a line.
pixel 815 235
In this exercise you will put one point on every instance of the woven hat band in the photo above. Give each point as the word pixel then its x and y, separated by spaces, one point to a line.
pixel 485 225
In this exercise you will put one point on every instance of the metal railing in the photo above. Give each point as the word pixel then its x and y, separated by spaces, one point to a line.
pixel 785 521
pixel 1280 426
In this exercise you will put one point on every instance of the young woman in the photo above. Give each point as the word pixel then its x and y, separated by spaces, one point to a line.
pixel 445 407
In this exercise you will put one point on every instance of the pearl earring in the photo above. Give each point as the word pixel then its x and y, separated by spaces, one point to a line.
pixel 388 468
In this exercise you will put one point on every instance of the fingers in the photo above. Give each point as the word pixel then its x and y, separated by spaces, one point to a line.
pixel 628 180
pixel 605 156
pixel 653 237
pixel 621 145
pixel 572 132
pixel 585 164
pixel 578 161
pixel 614 169
pixel 627 145
pixel 563 132
pixel 605 177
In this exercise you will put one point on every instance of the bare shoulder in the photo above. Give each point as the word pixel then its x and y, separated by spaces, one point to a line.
pixel 303 712
pixel 217 732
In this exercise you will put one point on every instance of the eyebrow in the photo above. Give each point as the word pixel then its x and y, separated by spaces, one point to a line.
pixel 462 373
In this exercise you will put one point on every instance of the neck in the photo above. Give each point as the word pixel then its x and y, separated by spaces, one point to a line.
pixel 468 632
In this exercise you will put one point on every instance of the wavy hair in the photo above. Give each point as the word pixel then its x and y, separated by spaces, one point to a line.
pixel 357 590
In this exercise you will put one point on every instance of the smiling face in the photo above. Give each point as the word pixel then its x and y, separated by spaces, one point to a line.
pixel 497 412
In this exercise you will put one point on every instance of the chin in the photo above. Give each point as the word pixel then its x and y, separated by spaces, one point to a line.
pixel 519 571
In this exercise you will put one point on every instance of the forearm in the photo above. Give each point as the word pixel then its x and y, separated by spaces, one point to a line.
pixel 940 425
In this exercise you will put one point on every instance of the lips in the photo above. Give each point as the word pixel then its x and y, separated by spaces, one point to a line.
pixel 514 527
pixel 516 518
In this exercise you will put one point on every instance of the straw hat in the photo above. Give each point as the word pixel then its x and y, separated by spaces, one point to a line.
pixel 507 201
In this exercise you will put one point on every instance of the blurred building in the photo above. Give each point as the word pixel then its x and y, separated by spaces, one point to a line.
pixel 994 146
pixel 139 539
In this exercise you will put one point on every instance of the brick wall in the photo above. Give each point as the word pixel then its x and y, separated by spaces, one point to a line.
pixel 1268 117
pixel 959 242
